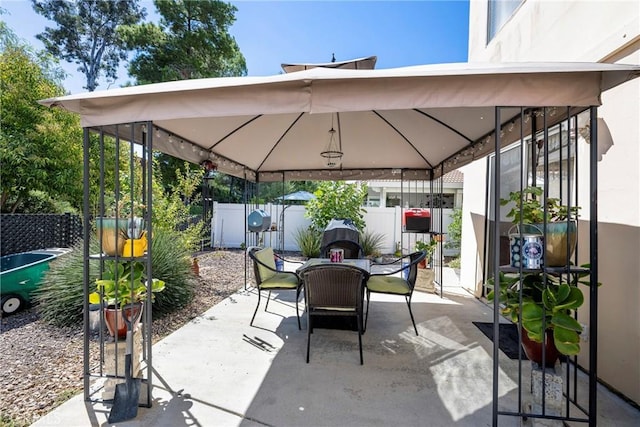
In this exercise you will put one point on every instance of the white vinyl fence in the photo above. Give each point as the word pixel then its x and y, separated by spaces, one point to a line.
pixel 229 226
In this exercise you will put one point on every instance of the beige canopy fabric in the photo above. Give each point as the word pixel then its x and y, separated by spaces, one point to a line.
pixel 420 119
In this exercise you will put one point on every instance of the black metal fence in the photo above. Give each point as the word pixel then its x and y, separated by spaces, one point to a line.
pixel 26 232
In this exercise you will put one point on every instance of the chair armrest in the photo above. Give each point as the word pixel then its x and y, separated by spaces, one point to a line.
pixel 394 261
pixel 398 270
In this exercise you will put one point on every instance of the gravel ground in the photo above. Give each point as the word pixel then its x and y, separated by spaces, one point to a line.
pixel 41 366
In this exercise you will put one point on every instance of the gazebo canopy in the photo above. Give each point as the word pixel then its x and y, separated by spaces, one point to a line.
pixel 421 120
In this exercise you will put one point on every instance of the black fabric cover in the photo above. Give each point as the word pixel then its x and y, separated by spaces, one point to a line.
pixel 340 229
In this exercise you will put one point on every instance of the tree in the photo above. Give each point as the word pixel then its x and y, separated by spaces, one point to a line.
pixel 39 149
pixel 191 41
pixel 337 199
pixel 86 33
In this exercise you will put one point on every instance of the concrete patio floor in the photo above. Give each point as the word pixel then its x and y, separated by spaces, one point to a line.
pixel 219 371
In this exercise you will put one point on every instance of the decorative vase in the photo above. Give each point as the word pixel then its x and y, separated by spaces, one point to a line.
pixel 559 235
pixel 111 234
pixel 115 322
pixel 533 349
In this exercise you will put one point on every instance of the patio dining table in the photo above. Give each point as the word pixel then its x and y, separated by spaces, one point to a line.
pixel 362 263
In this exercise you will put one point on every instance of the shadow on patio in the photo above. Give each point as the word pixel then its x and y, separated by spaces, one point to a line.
pixel 218 370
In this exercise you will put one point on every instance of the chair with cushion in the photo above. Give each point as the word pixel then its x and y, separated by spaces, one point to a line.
pixel 352 250
pixel 397 284
pixel 268 278
pixel 333 290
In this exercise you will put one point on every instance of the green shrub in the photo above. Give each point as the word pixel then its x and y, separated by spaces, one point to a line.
pixel 60 298
pixel 309 241
pixel 455 263
pixel 371 242
pixel 454 230
pixel 171 263
pixel 37 201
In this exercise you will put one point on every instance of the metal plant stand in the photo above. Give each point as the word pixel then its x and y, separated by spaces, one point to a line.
pixel 104 355
pixel 546 394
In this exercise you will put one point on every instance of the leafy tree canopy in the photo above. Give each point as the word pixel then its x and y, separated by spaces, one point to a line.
pixel 337 199
pixel 39 147
pixel 191 41
pixel 86 33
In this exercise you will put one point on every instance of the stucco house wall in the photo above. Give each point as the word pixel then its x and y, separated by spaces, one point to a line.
pixel 598 31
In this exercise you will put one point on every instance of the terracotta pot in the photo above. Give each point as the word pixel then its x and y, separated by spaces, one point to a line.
pixel 422 264
pixel 533 349
pixel 115 322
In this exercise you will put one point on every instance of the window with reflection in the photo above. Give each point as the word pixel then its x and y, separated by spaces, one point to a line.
pixel 499 13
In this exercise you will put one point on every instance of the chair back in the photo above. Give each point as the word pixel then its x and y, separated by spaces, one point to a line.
pixel 352 250
pixel 415 258
pixel 264 265
pixel 336 287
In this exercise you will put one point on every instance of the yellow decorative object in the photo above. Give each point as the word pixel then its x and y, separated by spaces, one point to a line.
pixel 134 247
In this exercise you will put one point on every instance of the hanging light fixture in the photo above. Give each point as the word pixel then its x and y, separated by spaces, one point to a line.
pixel 332 151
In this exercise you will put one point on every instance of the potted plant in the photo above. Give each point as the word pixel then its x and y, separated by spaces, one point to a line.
pixel 546 313
pixel 122 291
pixel 376 256
pixel 561 226
pixel 429 247
pixel 123 221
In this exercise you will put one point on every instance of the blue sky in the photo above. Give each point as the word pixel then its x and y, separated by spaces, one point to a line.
pixel 269 33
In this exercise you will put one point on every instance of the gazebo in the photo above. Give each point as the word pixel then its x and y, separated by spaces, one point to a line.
pixel 414 123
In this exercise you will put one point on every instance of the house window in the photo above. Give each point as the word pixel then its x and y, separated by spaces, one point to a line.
pixel 422 200
pixel 498 14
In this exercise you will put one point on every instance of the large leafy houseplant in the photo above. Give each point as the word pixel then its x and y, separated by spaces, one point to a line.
pixel 123 283
pixel 548 304
pixel 121 292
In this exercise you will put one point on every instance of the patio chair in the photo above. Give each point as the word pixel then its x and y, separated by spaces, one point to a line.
pixel 394 284
pixel 333 290
pixel 352 250
pixel 268 278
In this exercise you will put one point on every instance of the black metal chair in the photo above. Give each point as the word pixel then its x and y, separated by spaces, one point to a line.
pixel 334 290
pixel 352 250
pixel 394 284
pixel 268 278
